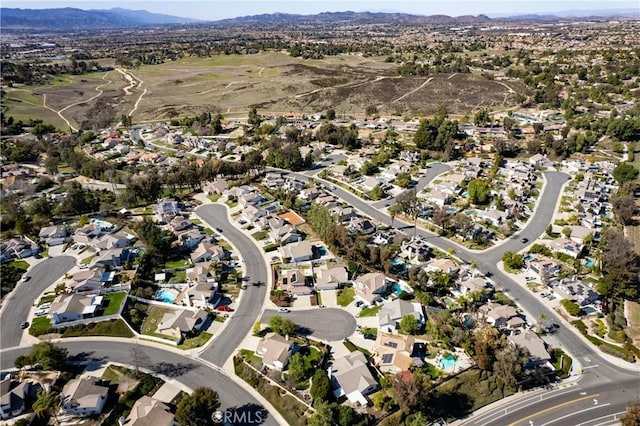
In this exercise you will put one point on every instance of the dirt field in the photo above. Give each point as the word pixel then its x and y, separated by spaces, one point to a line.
pixel 632 313
pixel 273 82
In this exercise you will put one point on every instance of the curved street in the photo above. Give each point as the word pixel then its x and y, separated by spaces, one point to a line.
pixel 16 308
pixel 329 324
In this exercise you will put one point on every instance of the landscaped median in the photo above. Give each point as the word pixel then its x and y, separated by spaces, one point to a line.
pixel 626 352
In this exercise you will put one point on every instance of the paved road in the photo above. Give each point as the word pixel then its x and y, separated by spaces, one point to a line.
pixel 433 170
pixel 15 310
pixel 188 371
pixel 327 324
pixel 246 315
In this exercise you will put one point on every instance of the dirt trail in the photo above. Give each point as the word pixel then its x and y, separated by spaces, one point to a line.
pixel 59 112
pixel 134 82
pixel 412 91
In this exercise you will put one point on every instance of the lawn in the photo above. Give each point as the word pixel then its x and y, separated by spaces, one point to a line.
pixel 151 321
pixel 370 311
pixel 176 263
pixel 251 357
pixel 178 277
pixel 345 296
pixel 260 235
pixel 214 197
pixel 196 342
pixel 20 264
pixel 352 348
pixel 116 328
pixel 87 260
pixel 115 300
pixel 40 325
pixel 47 298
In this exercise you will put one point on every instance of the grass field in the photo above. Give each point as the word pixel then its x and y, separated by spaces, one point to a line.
pixel 275 83
pixel 346 296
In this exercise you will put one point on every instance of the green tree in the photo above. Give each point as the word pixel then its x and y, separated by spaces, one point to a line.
pixel 331 114
pixel 411 391
pixel 571 307
pixel 254 119
pixel 196 409
pixel 513 261
pixel 46 404
pixel 297 367
pixel 510 360
pixel 49 356
pixel 409 324
pixel 625 172
pixel 481 117
pixel 321 389
pixel 323 415
pixel 377 193
pixel 403 179
pixel 479 191
pixel 282 326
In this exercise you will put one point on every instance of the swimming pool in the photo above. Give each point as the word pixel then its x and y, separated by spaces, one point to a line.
pixel 397 262
pixel 321 250
pixel 104 225
pixel 468 322
pixel 166 296
pixel 448 363
pixel 590 262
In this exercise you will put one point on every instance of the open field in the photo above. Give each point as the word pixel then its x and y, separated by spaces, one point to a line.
pixel 632 313
pixel 272 82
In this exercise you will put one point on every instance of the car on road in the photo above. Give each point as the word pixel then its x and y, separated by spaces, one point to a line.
pixel 524 240
pixel 24 278
pixel 283 310
pixel 321 306
pixel 24 324
pixel 219 230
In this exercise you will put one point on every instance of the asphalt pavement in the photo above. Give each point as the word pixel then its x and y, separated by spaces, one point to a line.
pixel 171 365
pixel 328 324
pixel 256 270
pixel 16 308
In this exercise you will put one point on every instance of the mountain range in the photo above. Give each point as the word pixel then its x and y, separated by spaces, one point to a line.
pixel 79 19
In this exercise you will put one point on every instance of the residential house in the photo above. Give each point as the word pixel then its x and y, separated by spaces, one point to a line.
pixel 538 160
pixel 273 180
pixel 469 285
pixel 437 198
pixel 178 323
pixel 391 314
pixel 218 186
pixel 112 257
pixel 297 252
pixel 19 247
pixel 53 235
pixel 372 286
pixel 393 353
pixel 251 198
pixel 148 411
pixel 536 347
pixel 75 306
pixel 394 169
pixel 361 225
pixel 351 378
pixel 495 217
pixel 13 397
pixel 566 246
pixel 166 209
pixel 369 183
pixel 580 233
pixel 251 213
pixel 275 351
pixel 291 184
pixel 330 277
pixel 284 233
pixel 109 241
pixel 238 191
pixel 416 250
pixel 191 238
pixel 87 233
pixel 543 266
pixel 206 250
pixel 94 279
pixel 497 314
pixel 83 397
pixel 309 194
pixel 576 290
pixel 294 282
pixel 447 266
pixel 343 214
pixel 179 223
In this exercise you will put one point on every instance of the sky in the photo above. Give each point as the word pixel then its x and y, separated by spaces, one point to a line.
pixel 212 10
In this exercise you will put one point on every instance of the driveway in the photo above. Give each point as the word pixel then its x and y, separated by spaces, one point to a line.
pixel 325 324
pixel 329 298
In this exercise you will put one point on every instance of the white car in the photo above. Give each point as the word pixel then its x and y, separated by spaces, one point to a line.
pixel 41 313
pixel 283 310
pixel 24 278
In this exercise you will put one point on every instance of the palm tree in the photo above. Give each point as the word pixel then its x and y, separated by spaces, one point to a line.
pixel 47 404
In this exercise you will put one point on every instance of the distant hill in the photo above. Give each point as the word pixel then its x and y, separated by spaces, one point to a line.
pixel 72 18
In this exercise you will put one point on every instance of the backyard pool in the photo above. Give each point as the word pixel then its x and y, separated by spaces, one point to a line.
pixel 166 296
pixel 102 224
pixel 590 262
pixel 398 288
pixel 468 322
pixel 321 250
pixel 448 363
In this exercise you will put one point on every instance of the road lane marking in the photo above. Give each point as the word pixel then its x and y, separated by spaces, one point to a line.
pixel 614 415
pixel 574 413
pixel 546 410
pixel 501 412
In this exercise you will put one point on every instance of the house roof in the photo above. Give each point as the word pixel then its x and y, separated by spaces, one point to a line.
pixel 368 284
pixel 182 319
pixel 79 393
pixel 274 347
pixel 392 352
pixel 326 275
pixel 393 311
pixel 529 340
pixel 148 411
pixel 352 373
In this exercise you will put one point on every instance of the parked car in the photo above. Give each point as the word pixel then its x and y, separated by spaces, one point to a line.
pixel 359 303
pixel 283 310
pixel 321 306
pixel 224 308
pixel 219 230
pixel 41 313
pixel 24 278
pixel 524 240
pixel 24 324
pixel 370 336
